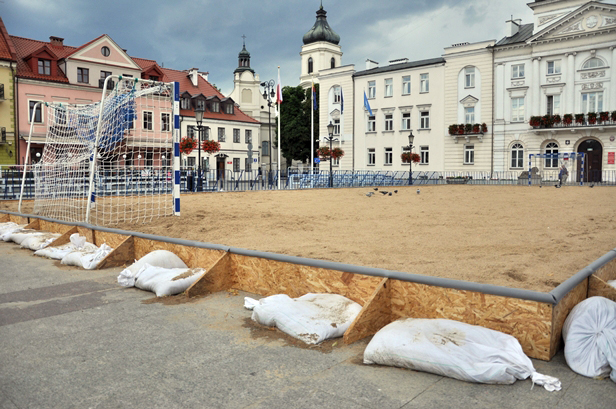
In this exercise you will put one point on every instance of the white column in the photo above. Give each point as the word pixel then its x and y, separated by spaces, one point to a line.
pixel 500 91
pixel 535 103
pixel 612 101
pixel 569 107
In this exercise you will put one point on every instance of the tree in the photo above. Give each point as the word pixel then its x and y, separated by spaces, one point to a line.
pixel 295 122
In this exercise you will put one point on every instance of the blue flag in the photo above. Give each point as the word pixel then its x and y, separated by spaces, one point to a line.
pixel 341 101
pixel 314 98
pixel 367 104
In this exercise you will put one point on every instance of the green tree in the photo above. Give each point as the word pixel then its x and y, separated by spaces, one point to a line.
pixel 295 122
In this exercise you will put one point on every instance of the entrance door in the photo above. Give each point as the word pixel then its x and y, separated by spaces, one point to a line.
pixel 593 160
pixel 220 168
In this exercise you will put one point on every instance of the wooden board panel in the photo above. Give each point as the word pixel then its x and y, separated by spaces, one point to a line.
pixel 375 314
pixel 87 233
pixel 600 288
pixel 267 277
pixel 562 310
pixel 194 257
pixel 113 240
pixel 4 218
pixel 121 255
pixel 18 219
pixel 65 238
pixel 54 227
pixel 34 225
pixel 218 277
pixel 528 321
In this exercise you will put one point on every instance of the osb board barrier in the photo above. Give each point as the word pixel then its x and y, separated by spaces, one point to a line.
pixel 218 277
pixel 122 254
pixel 562 310
pixel 194 257
pixel 4 218
pixel 375 314
pixel 18 219
pixel 52 227
pixel 267 277
pixel 528 321
pixel 113 240
pixel 597 284
pixel 34 225
pixel 65 238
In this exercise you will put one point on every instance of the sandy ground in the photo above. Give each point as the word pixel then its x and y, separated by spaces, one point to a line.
pixel 515 236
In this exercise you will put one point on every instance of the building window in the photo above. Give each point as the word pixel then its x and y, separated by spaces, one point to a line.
pixel 105 74
pixel 517 71
pixel 154 77
pixel 310 65
pixel 469 77
pixel 517 156
pixel 593 63
pixel 165 122
pixel 105 51
pixel 406 121
pixel 236 136
pixel 371 157
pixel 469 154
pixel 147 120
pixel 371 124
pixel 551 148
pixel 371 89
pixel 389 87
pixel 149 159
pixel 190 131
pixel 592 102
pixel 248 165
pixel 553 107
pixel 248 136
pixel 425 82
pixel 83 75
pixel 517 109
pixel 424 152
pixel 265 148
pixel 389 156
pixel 221 134
pixel 336 124
pixel 190 161
pixel 38 114
pixel 332 63
pixel 236 164
pixel 424 120
pixel 337 95
pixel 389 122
pixel 44 67
pixel 336 162
pixel 553 67
pixel 185 103
pixel 406 85
pixel 229 109
pixel 469 115
pixel 214 106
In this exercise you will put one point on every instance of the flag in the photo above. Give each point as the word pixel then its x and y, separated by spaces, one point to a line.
pixel 367 104
pixel 279 90
pixel 314 98
pixel 341 101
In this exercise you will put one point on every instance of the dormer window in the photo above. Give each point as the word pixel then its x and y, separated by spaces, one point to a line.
pixel 229 109
pixel 154 77
pixel 214 106
pixel 44 67
pixel 200 104
pixel 185 102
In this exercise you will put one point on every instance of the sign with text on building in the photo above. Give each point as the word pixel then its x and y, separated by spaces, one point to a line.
pixel 611 158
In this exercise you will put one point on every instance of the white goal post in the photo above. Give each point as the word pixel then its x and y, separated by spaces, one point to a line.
pixel 573 161
pixel 115 161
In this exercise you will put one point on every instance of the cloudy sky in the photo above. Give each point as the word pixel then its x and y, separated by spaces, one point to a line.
pixel 207 34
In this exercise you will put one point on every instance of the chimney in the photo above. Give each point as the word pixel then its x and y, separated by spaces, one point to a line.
pixel 193 73
pixel 204 75
pixel 56 41
pixel 371 64
pixel 399 61
pixel 513 26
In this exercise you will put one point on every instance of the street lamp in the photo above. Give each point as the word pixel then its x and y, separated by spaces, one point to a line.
pixel 330 131
pixel 411 137
pixel 268 91
pixel 199 118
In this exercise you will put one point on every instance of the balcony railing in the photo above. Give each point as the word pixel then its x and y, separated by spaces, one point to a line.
pixel 573 120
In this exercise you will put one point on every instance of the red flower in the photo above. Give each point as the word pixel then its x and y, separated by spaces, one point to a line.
pixel 187 145
pixel 210 147
pixel 408 157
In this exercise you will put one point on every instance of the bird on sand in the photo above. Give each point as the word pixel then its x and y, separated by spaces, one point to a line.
pixel 376 188
pixel 369 194
pixel 418 191
pixel 383 192
pixel 389 194
pixel 395 191
pixel 592 185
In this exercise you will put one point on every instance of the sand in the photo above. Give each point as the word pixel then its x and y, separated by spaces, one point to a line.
pixel 516 236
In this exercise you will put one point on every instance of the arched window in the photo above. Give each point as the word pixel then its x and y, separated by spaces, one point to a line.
pixel 517 156
pixel 551 148
pixel 593 63
pixel 333 63
pixel 310 65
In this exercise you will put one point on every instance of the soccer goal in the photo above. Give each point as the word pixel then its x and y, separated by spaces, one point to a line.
pixel 115 161
pixel 545 167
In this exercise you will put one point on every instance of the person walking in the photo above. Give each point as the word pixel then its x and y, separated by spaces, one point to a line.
pixel 562 175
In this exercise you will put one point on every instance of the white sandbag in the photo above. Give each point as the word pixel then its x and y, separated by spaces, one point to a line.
pixel 39 241
pixel 157 258
pixel 612 283
pixel 9 227
pixel 312 318
pixel 590 338
pixel 166 281
pixel 77 243
pixel 20 235
pixel 86 259
pixel 454 349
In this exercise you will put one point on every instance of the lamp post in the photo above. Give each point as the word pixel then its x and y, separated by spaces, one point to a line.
pixel 330 131
pixel 269 91
pixel 411 137
pixel 199 119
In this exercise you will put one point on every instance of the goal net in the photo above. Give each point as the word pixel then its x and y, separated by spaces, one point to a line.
pixel 114 161
pixel 545 167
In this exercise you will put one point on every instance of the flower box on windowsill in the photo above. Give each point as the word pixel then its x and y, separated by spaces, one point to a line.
pixel 458 180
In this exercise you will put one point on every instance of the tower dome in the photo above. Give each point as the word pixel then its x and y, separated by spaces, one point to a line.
pixel 321 31
pixel 244 59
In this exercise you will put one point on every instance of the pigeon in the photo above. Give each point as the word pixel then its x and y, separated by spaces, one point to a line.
pixel 389 194
pixel 369 194
pixel 592 185
pixel 395 191
pixel 383 192
pixel 418 191
pixel 376 188
pixel 556 186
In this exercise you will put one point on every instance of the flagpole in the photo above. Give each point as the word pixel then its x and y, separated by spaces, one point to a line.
pixel 312 128
pixel 279 98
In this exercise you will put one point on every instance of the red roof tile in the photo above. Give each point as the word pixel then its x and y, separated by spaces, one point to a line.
pixel 7 50
pixel 25 47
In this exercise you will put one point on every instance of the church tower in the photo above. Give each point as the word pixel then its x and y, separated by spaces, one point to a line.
pixel 321 50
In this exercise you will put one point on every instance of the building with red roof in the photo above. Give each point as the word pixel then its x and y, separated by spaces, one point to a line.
pixel 7 102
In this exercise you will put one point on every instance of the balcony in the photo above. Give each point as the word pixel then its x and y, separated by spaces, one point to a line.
pixel 600 121
pixel 467 130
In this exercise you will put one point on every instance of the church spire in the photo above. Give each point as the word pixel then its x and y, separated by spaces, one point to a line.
pixel 243 58
pixel 321 31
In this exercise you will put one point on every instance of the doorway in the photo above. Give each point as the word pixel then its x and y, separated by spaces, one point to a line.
pixel 593 160
pixel 220 167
